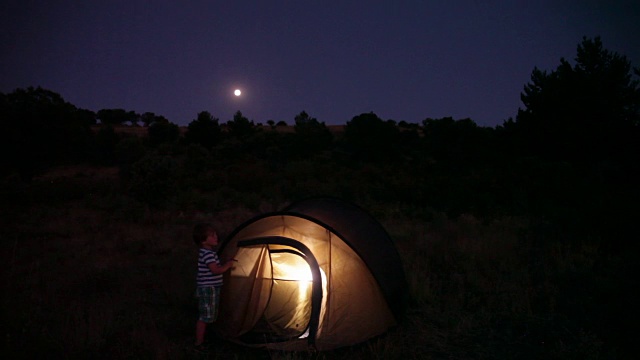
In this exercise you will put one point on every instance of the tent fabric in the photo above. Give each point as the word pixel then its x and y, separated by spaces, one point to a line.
pixel 367 237
pixel 320 273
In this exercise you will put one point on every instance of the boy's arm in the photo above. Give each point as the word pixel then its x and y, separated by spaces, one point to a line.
pixel 219 269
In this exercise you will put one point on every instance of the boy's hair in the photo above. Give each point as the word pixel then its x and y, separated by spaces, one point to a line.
pixel 201 231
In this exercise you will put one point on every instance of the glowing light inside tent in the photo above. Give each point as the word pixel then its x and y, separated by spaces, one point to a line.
pixel 293 268
pixel 290 267
pixel 299 271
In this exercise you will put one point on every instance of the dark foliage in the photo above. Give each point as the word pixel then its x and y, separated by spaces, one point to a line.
pixel 311 137
pixel 580 126
pixel 459 144
pixel 129 151
pixel 204 130
pixel 148 118
pixel 105 144
pixel 41 129
pixel 587 113
pixel 154 179
pixel 240 126
pixel 162 131
pixel 372 138
pixel 117 117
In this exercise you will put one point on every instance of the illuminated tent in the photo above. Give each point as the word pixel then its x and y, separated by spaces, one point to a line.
pixel 320 274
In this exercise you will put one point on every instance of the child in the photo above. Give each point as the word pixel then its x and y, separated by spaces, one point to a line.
pixel 209 280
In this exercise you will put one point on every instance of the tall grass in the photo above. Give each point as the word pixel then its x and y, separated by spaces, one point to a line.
pixel 103 276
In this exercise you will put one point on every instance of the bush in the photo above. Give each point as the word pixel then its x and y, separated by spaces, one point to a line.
pixel 127 152
pixel 162 131
pixel 154 179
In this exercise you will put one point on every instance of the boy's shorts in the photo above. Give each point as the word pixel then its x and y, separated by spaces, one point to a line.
pixel 208 298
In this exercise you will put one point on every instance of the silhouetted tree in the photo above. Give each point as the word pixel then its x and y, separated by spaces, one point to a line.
pixel 580 131
pixel 312 135
pixel 455 165
pixel 457 142
pixel 582 113
pixel 205 130
pixel 405 125
pixel 87 117
pixel 240 126
pixel 162 131
pixel 134 118
pixel 117 116
pixel 41 129
pixel 147 118
pixel 372 137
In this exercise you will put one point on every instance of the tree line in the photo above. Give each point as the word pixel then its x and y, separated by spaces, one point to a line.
pixel 572 149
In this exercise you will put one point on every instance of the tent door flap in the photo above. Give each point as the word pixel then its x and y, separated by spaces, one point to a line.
pixel 297 283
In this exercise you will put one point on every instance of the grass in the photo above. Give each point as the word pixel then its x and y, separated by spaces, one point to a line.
pixel 102 276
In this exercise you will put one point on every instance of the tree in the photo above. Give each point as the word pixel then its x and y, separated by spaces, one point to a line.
pixel 312 135
pixel 240 126
pixel 371 137
pixel 133 118
pixel 456 142
pixel 41 129
pixel 87 117
pixel 585 112
pixel 204 130
pixel 163 131
pixel 113 116
pixel 580 128
pixel 147 118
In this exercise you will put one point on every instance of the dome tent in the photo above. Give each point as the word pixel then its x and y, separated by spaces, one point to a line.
pixel 321 273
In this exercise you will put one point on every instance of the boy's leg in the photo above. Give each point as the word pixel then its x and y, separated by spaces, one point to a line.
pixel 205 300
pixel 215 304
pixel 201 328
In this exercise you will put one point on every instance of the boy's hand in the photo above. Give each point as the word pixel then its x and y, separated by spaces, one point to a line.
pixel 230 263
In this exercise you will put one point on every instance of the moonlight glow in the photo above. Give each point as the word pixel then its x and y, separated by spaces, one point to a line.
pixel 237 92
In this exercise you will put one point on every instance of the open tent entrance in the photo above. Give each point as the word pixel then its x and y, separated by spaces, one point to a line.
pixel 288 284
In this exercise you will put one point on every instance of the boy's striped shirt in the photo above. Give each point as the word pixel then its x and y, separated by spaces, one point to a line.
pixel 205 277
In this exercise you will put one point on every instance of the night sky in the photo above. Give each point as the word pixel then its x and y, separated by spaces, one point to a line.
pixel 403 60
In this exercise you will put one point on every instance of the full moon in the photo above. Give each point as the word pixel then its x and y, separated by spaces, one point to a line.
pixel 237 92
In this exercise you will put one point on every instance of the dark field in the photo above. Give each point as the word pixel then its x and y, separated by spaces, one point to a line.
pixel 90 272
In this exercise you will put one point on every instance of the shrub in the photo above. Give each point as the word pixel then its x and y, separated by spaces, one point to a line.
pixel 154 179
